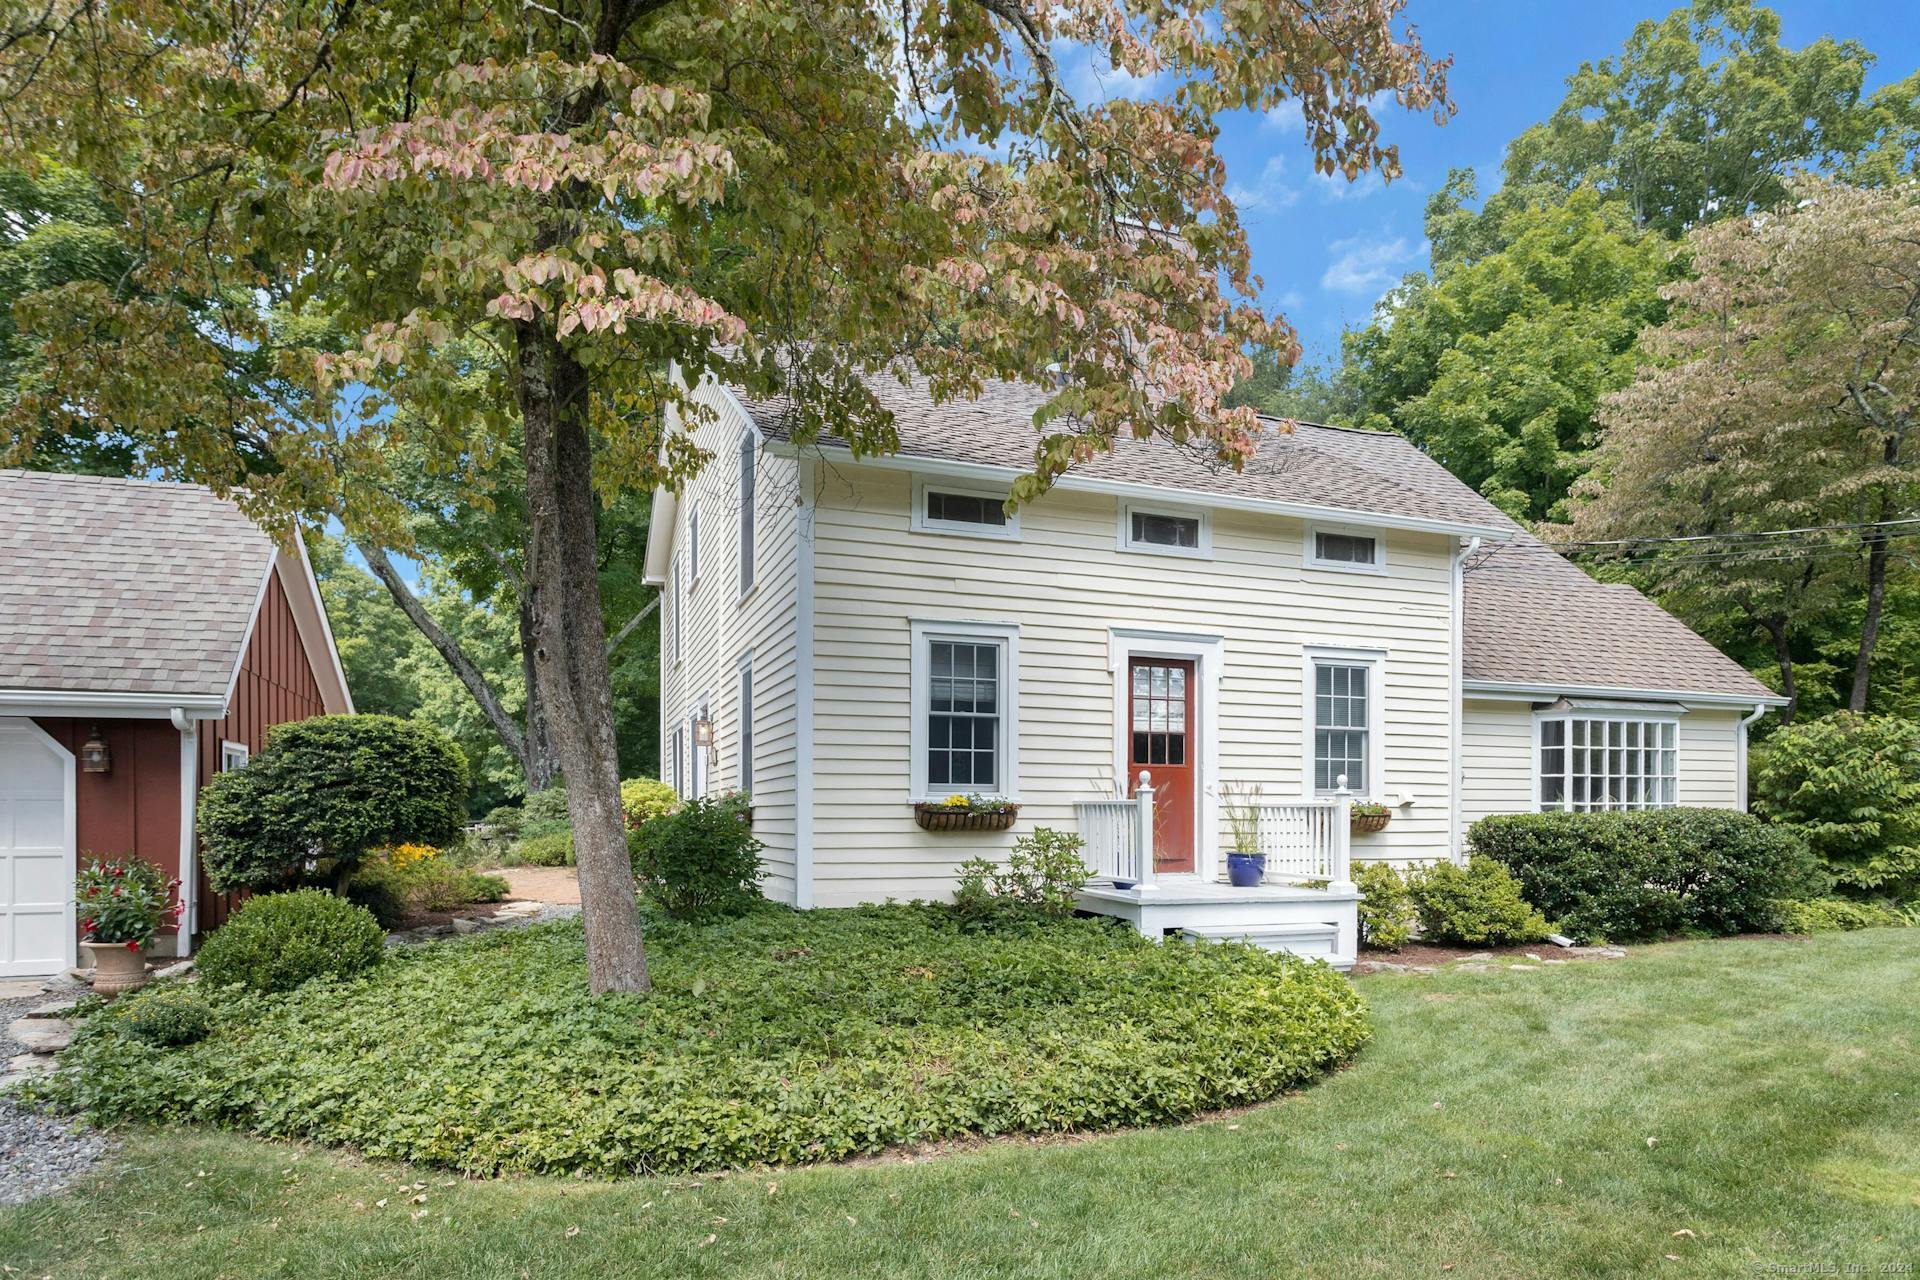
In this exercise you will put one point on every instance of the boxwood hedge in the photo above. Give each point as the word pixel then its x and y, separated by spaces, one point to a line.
pixel 779 1037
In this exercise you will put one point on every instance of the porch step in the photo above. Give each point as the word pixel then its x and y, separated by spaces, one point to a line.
pixel 1315 939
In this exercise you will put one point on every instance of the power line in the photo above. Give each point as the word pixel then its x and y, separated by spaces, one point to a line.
pixel 1734 536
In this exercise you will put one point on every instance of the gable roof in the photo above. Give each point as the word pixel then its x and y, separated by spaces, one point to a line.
pixel 1534 620
pixel 1313 470
pixel 139 592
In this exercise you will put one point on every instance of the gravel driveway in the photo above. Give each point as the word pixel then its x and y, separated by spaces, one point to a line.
pixel 39 1153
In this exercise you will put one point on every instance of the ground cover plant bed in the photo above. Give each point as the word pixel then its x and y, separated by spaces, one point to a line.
pixel 1495 1128
pixel 780 1037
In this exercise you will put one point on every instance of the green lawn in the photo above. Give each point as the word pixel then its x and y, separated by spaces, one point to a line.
pixel 1498 1125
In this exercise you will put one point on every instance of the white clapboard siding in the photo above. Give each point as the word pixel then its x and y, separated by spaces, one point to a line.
pixel 1709 758
pixel 1064 583
pixel 718 628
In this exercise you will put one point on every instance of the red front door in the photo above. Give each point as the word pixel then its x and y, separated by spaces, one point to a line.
pixel 1162 740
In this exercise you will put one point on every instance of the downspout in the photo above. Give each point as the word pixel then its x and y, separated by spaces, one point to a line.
pixel 1740 765
pixel 1458 709
pixel 189 792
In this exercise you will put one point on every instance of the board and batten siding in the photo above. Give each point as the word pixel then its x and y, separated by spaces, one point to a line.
pixel 1497 768
pixel 719 629
pixel 1065 585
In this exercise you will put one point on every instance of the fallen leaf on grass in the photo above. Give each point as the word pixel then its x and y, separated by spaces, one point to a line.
pixel 709 1240
pixel 572 1232
pixel 1683 1232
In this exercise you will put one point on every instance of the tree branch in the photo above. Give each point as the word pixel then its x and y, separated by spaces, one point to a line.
pixel 613 641
pixel 450 652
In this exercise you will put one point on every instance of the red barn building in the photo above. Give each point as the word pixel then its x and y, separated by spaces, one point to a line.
pixel 150 634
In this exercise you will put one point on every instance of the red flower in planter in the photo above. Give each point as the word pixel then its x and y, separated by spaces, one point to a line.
pixel 133 946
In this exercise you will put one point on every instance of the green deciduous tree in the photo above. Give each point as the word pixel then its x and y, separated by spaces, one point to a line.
pixel 1851 784
pixel 1495 365
pixel 600 191
pixel 1782 392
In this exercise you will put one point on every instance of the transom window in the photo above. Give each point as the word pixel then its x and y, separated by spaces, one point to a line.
pixel 1342 725
pixel 965 708
pixel 1594 763
pixel 1355 550
pixel 944 507
pixel 1168 532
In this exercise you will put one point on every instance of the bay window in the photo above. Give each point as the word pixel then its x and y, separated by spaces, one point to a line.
pixel 1602 762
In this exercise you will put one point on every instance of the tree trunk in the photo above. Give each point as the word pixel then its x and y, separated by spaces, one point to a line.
pixel 517 744
pixel 570 651
pixel 1876 540
pixel 1777 628
pixel 541 769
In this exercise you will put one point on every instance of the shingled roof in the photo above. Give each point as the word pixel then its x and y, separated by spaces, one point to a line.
pixel 1533 619
pixel 123 586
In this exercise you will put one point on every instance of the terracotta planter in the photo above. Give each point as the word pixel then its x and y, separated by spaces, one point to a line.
pixel 938 817
pixel 1366 824
pixel 116 969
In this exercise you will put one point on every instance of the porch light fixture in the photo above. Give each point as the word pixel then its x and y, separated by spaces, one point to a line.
pixel 703 731
pixel 94 756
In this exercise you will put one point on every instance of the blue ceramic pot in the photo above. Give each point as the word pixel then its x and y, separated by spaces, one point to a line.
pixel 1244 870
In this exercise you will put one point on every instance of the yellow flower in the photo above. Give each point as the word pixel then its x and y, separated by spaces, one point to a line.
pixel 401 854
pixel 955 802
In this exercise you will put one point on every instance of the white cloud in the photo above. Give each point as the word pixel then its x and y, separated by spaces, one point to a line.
pixel 1090 78
pixel 1334 186
pixel 1368 266
pixel 1270 191
pixel 1288 115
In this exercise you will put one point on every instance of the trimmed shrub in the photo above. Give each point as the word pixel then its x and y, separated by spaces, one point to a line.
pixel 331 789
pixel 781 1037
pixel 1042 877
pixel 1478 905
pixel 395 891
pixel 1850 785
pixel 700 862
pixel 280 940
pixel 1838 915
pixel 1652 873
pixel 554 849
pixel 643 799
pixel 167 1016
pixel 544 812
pixel 1386 907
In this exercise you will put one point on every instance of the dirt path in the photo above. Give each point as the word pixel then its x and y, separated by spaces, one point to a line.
pixel 542 884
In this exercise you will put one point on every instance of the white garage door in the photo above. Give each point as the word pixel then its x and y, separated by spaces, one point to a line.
pixel 36 851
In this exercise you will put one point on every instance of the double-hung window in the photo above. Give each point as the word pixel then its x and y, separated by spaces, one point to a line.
pixel 1343 721
pixel 1601 762
pixel 746 724
pixel 748 460
pixel 233 755
pixel 965 730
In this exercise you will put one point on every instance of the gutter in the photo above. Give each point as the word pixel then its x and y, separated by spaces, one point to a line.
pixel 1517 690
pixel 1072 483
pixel 1457 712
pixel 1740 762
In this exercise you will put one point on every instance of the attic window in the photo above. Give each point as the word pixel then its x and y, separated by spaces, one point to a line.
pixel 1167 532
pixel 941 507
pixel 1352 550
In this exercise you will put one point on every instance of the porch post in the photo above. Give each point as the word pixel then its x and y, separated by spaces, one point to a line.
pixel 1340 852
pixel 1143 827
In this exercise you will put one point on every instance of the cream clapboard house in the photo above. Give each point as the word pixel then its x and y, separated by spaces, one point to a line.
pixel 842 639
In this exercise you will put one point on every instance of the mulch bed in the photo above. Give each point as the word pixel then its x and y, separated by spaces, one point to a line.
pixel 431 919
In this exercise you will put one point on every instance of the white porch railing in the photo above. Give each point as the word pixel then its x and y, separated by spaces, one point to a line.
pixel 1307 839
pixel 1119 835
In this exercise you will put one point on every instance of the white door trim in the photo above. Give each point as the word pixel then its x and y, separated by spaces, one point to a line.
pixel 1208 654
pixel 19 727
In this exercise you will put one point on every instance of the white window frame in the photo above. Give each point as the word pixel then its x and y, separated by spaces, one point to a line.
pixel 234 755
pixel 922 523
pixel 922 633
pixel 1310 548
pixel 1373 786
pixel 693 544
pixel 743 675
pixel 679 603
pixel 1567 716
pixel 679 762
pixel 748 453
pixel 1124 535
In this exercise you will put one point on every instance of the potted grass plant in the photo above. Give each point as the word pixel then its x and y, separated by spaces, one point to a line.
pixel 122 903
pixel 1246 865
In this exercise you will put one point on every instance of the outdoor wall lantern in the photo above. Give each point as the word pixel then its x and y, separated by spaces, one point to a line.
pixel 703 736
pixel 94 756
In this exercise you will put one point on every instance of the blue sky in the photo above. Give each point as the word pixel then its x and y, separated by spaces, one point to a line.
pixel 1327 250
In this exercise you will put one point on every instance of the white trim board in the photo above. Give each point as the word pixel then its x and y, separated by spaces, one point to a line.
pixel 22 727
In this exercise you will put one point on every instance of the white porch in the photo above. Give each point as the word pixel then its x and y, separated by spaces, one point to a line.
pixel 1305 902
